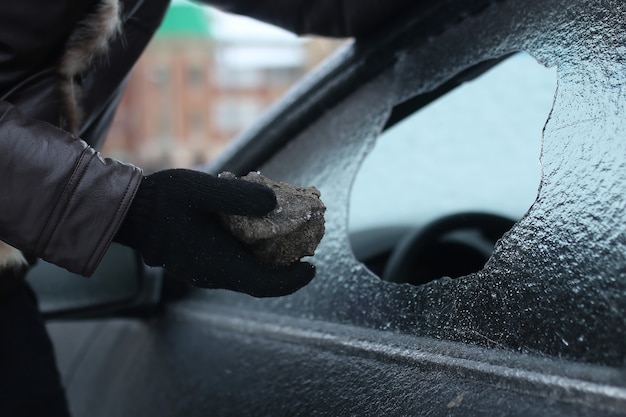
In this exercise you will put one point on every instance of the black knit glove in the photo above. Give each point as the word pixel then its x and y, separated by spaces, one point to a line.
pixel 172 223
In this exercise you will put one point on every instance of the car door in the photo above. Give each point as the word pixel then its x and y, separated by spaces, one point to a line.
pixel 538 331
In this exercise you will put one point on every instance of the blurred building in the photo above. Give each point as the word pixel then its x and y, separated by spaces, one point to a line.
pixel 204 77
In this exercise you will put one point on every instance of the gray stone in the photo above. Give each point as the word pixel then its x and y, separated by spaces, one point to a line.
pixel 288 233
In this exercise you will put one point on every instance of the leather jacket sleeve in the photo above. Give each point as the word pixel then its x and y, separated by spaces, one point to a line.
pixel 335 18
pixel 57 193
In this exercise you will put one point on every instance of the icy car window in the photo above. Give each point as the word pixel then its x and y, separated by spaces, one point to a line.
pixel 556 283
pixel 475 149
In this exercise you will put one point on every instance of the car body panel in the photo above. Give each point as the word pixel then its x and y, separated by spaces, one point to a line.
pixel 220 361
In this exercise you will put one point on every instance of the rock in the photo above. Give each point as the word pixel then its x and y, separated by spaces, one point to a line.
pixel 288 233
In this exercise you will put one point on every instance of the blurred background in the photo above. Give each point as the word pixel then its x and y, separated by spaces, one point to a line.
pixel 205 76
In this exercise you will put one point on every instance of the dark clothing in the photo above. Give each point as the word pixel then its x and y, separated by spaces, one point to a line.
pixel 29 380
pixel 81 198
pixel 334 18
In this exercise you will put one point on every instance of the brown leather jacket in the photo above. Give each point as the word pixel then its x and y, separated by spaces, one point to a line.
pixel 59 199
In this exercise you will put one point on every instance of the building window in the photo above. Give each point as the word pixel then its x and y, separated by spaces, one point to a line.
pixel 195 77
pixel 160 75
pixel 238 78
pixel 279 77
pixel 196 124
pixel 231 114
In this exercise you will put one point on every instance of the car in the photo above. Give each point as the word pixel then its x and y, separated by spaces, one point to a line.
pixel 506 298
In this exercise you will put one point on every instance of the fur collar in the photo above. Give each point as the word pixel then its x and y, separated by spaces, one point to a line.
pixel 88 42
pixel 10 257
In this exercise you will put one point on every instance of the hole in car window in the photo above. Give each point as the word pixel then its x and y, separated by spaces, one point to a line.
pixel 441 186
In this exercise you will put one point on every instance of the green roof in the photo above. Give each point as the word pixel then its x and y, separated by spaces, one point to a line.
pixel 185 20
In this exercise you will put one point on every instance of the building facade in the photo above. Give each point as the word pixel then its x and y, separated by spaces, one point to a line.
pixel 203 78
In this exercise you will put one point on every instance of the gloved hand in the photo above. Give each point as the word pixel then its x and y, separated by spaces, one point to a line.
pixel 172 223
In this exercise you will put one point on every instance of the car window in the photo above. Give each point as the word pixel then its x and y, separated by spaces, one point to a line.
pixel 475 149
pixel 556 279
pixel 566 251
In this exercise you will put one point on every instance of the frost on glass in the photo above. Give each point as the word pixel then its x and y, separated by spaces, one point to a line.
pixel 556 283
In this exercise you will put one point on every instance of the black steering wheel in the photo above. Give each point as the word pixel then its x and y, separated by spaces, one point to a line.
pixel 452 246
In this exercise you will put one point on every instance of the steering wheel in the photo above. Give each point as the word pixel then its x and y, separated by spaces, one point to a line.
pixel 451 246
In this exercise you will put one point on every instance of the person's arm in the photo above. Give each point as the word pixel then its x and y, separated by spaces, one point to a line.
pixel 59 199
pixel 335 18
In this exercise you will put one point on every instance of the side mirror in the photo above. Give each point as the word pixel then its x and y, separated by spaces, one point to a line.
pixel 121 283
